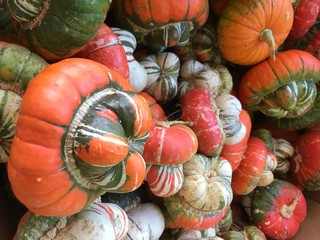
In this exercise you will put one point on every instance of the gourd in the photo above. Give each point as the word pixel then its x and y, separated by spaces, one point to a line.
pixel 304 168
pixel 18 66
pixel 169 145
pixel 248 233
pixel 106 48
pixel 82 135
pixel 159 25
pixel 163 72
pixel 247 176
pixel 249 32
pixel 235 144
pixel 306 13
pixel 205 194
pixel 199 108
pixel 146 221
pixel 56 29
pixel 99 221
pixel 194 74
pixel 138 76
pixel 278 209
pixel 284 90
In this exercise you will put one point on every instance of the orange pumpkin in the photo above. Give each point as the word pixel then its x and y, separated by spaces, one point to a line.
pixel 250 31
pixel 80 132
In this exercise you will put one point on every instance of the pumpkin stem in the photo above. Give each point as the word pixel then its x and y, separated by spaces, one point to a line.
pixel 175 122
pixel 266 35
pixel 287 211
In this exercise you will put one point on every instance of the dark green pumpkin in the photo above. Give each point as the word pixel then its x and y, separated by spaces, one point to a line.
pixel 57 29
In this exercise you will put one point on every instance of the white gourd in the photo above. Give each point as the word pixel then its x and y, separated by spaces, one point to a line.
pixel 146 222
pixel 195 74
pixel 137 73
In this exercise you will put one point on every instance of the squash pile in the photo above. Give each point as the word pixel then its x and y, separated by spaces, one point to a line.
pixel 191 119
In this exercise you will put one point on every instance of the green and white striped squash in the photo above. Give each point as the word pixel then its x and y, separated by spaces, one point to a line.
pixel 163 72
pixel 17 67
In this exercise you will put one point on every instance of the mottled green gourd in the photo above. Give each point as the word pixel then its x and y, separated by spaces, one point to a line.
pixel 56 29
pixel 18 66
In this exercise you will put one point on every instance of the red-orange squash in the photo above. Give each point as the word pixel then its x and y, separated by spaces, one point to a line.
pixel 80 132
pixel 249 31
pixel 247 176
pixel 161 24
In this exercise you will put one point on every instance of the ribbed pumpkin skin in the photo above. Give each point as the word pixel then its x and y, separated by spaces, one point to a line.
pixel 68 111
pixel 233 152
pixel 200 109
pixel 106 48
pixel 305 165
pixel 59 29
pixel 240 26
pixel 17 67
pixel 284 89
pixel 161 24
pixel 98 221
pixel 266 209
pixel 246 177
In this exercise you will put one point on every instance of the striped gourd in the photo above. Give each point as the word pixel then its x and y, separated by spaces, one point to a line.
pixel 205 194
pixel 82 135
pixel 17 67
pixel 137 74
pixel 57 29
pixel 164 180
pixel 194 74
pixel 99 221
pixel 163 72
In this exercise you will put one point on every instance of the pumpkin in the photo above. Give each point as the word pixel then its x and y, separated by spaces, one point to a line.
pixel 186 234
pixel 106 48
pixel 82 135
pixel 18 66
pixel 249 232
pixel 194 74
pixel 237 133
pixel 99 221
pixel 159 25
pixel 56 29
pixel 205 194
pixel 313 46
pixel 199 108
pixel 164 180
pixel 306 13
pixel 249 32
pixel 146 221
pixel 278 209
pixel 204 44
pixel 305 161
pixel 283 151
pixel 138 76
pixel 156 110
pixel 247 176
pixel 163 71
pixel 284 90
pixel 169 145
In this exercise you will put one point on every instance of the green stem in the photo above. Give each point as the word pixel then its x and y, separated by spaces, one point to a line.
pixel 266 35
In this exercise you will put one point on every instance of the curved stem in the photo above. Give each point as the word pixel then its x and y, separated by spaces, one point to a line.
pixel 266 35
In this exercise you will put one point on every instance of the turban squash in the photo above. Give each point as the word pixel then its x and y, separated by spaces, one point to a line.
pixel 56 29
pixel 285 90
pixel 80 132
pixel 159 25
